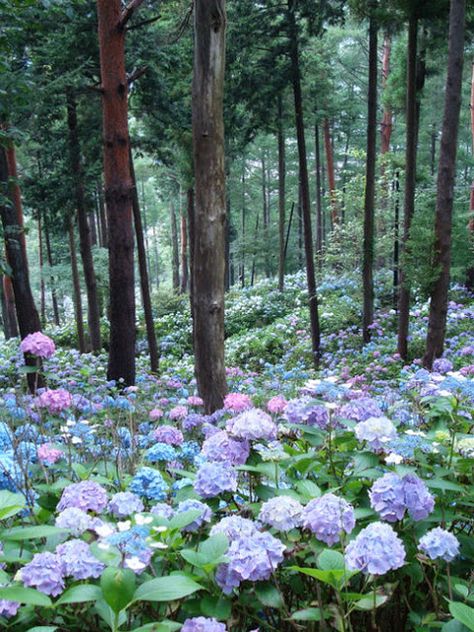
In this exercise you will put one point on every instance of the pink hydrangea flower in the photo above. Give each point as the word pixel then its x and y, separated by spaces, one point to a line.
pixel 178 412
pixel 237 402
pixel 49 455
pixel 55 400
pixel 38 345
pixel 155 414
pixel 194 400
pixel 276 404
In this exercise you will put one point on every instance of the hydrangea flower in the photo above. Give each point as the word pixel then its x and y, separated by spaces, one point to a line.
pixel 132 543
pixel 307 411
pixel 282 513
pixel 376 431
pixel 86 495
pixel 77 560
pixel 220 447
pixel 49 455
pixel 168 434
pixel 203 624
pixel 44 572
pixel 276 405
pixel 237 402
pixel 149 483
pixel 439 543
pixel 376 550
pixel 55 400
pixel 250 558
pixel 178 412
pixel 74 519
pixel 124 504
pixel 214 478
pixel 442 365
pixel 160 452
pixel 155 414
pixel 235 527
pixel 8 608
pixel 360 409
pixel 190 504
pixel 390 496
pixel 38 345
pixel 418 500
pixel 327 516
pixel 252 424
pixel 195 400
pixel 163 510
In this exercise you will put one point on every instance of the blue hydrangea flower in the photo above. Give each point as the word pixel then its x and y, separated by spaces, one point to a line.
pixel 163 510
pixel 8 608
pixel 439 543
pixel 282 513
pixel 376 550
pixel 307 411
pixel 160 452
pixel 44 572
pixel 86 495
pixel 203 624
pixel 74 519
pixel 77 561
pixel 189 450
pixel 387 497
pixel 418 500
pixel 214 478
pixel 189 505
pixel 132 543
pixel 220 447
pixel 360 409
pixel 235 527
pixel 124 504
pixel 149 483
pixel 327 516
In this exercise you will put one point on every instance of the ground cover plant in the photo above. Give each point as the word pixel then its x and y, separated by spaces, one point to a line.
pixel 339 500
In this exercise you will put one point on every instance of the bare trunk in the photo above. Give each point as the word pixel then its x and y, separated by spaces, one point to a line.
pixel 387 121
pixel 41 263
pixel 281 195
pixel 243 221
pixel 118 191
pixel 10 320
pixel 184 255
pixel 175 247
pixel 76 289
pixel 331 173
pixel 470 226
pixel 54 298
pixel 210 201
pixel 445 186
pixel 319 206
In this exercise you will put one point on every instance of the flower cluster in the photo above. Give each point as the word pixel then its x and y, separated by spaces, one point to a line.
pixel 237 402
pixel 376 550
pixel 169 435
pixel 221 447
pixel 390 496
pixel 86 495
pixel 327 517
pixel 203 624
pixel 378 432
pixel 38 345
pixel 282 513
pixel 149 483
pixel 439 543
pixel 252 424
pixel 124 504
pixel 214 478
pixel 55 401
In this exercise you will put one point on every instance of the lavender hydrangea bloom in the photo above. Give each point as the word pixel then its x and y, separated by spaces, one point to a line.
pixel 376 550
pixel 203 624
pixel 169 435
pixel 163 510
pixel 220 447
pixel 74 519
pixel 190 504
pixel 77 560
pixel 250 558
pixel 307 411
pixel 8 608
pixel 124 504
pixel 44 572
pixel 442 365
pixel 418 500
pixel 439 543
pixel 55 400
pixel 327 516
pixel 252 424
pixel 376 431
pixel 282 513
pixel 235 527
pixel 360 409
pixel 86 495
pixel 38 345
pixel 387 497
pixel 214 478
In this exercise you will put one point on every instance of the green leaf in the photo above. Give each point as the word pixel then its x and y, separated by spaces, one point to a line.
pixel 167 588
pixel 80 594
pixel 214 547
pixel 159 626
pixel 118 587
pixel 28 596
pixel 308 490
pixel 181 520
pixel 335 578
pixel 43 628
pixel 462 613
pixel 31 533
pixel 367 602
pixel 454 626
pixel 268 595
pixel 329 560
pixel 10 504
pixel 308 614
pixel 440 483
pixel 218 607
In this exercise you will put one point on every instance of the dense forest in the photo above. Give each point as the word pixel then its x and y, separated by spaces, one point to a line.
pixel 237 295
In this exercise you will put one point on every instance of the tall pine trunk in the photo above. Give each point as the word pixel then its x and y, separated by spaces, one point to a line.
pixel 387 120
pixel 319 205
pixel 76 289
pixel 470 270
pixel 331 173
pixel 118 189
pixel 369 203
pixel 41 271
pixel 10 320
pixel 174 247
pixel 210 200
pixel 445 185
pixel 304 183
pixel 281 195
pixel 49 255
pixel 85 244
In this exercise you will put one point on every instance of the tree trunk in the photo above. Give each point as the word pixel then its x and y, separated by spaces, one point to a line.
pixel 49 255
pixel 118 191
pixel 319 206
pixel 445 185
pixel 410 186
pixel 41 263
pixel 103 218
pixel 92 227
pixel 10 320
pixel 210 201
pixel 243 221
pixel 190 212
pixel 76 289
pixel 184 255
pixel 369 203
pixel 387 120
pixel 254 255
pixel 143 270
pixel 331 173
pixel 304 180
pixel 265 214
pixel 15 247
pixel 281 195
pixel 470 226
pixel 396 237
pixel 175 247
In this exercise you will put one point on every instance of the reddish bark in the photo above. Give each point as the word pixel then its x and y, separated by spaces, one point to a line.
pixel 387 120
pixel 331 173
pixel 12 324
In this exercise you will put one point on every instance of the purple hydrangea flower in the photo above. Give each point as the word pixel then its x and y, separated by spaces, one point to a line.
pixel 376 550
pixel 8 608
pixel 387 497
pixel 214 478
pixel 192 421
pixel 77 560
pixel 327 516
pixel 74 519
pixel 252 424
pixel 282 513
pixel 376 431
pixel 418 500
pixel 44 572
pixel 124 504
pixel 250 558
pixel 276 405
pixel 360 409
pixel 235 527
pixel 220 447
pixel 189 505
pixel 38 345
pixel 86 495
pixel 439 543
pixel 163 510
pixel 55 400
pixel 307 411
pixel 169 435
pixel 203 624
pixel 237 402
pixel 442 365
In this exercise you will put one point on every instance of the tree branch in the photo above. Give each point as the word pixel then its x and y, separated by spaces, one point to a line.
pixel 143 23
pixel 128 12
pixel 136 74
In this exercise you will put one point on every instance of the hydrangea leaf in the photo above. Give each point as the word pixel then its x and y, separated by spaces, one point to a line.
pixel 28 596
pixel 462 613
pixel 167 588
pixel 118 587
